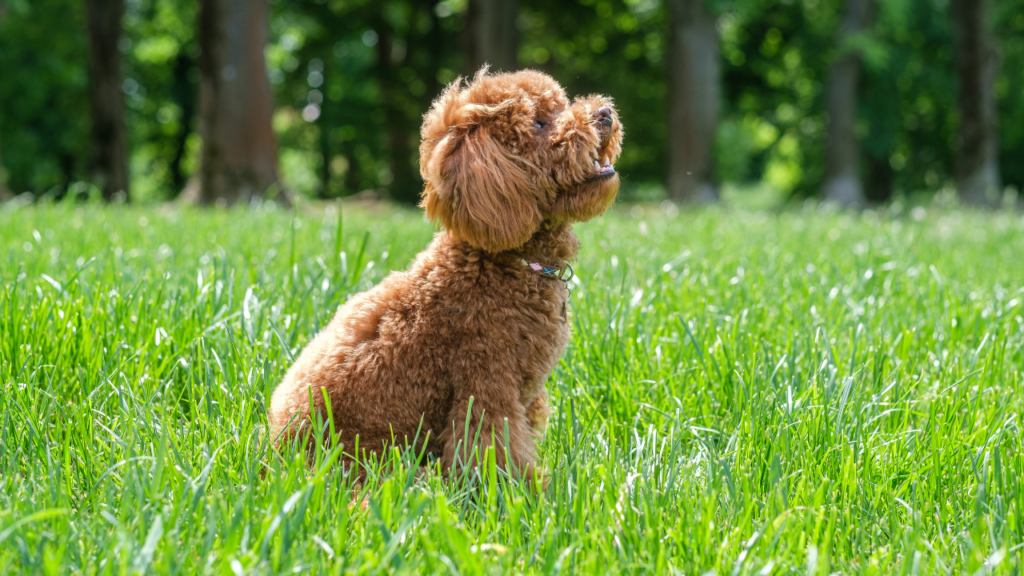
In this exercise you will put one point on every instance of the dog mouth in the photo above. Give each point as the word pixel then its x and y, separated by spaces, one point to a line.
pixel 602 168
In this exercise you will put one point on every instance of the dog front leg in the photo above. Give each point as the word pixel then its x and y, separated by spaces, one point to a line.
pixel 479 422
pixel 537 414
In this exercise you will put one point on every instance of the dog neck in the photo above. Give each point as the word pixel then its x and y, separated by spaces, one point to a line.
pixel 553 244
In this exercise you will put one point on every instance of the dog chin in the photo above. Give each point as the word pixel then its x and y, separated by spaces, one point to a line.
pixel 589 198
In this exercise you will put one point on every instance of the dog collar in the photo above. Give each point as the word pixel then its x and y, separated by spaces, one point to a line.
pixel 556 272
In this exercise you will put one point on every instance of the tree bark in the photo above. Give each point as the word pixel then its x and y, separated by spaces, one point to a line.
pixel 239 156
pixel 184 94
pixel 977 64
pixel 109 143
pixel 490 35
pixel 694 92
pixel 353 174
pixel 4 194
pixel 880 177
pixel 325 125
pixel 843 183
pixel 405 183
pixel 325 158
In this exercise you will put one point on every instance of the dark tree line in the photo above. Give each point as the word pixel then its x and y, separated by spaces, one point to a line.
pixel 109 144
pixel 4 194
pixel 239 152
pixel 229 100
pixel 977 65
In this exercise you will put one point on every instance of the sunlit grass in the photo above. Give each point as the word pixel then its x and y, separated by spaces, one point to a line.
pixel 745 393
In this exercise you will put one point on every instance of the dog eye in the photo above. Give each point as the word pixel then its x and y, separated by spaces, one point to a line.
pixel 538 126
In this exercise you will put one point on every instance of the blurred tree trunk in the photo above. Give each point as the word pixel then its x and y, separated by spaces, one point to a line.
pixel 435 43
pixel 694 94
pixel 325 157
pixel 405 183
pixel 490 35
pixel 843 183
pixel 183 93
pixel 109 146
pixel 879 182
pixel 4 194
pixel 353 172
pixel 977 64
pixel 325 125
pixel 239 157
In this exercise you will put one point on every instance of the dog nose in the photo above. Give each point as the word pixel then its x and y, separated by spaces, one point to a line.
pixel 603 116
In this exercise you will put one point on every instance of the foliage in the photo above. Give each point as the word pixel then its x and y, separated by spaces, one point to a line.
pixel 1009 22
pixel 161 91
pixel 776 58
pixel 352 79
pixel 615 48
pixel 747 393
pixel 910 98
pixel 44 106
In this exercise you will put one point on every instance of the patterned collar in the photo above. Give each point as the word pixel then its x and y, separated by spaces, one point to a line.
pixel 556 272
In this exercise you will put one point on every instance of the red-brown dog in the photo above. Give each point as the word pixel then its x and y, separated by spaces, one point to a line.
pixel 475 326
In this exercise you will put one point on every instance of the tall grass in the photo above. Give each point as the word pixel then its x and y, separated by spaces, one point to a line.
pixel 745 393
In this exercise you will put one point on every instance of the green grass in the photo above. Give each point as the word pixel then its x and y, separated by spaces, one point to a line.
pixel 745 393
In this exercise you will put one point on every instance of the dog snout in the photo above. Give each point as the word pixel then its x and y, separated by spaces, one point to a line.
pixel 603 116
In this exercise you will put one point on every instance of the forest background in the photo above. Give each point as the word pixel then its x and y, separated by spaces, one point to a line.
pixel 758 100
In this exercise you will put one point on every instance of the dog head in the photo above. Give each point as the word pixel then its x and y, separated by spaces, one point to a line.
pixel 505 153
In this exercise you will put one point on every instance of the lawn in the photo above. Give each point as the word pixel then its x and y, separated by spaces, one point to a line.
pixel 802 392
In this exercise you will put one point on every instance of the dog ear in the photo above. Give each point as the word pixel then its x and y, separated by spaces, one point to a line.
pixel 475 187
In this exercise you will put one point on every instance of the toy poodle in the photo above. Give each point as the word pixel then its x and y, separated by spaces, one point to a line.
pixel 451 356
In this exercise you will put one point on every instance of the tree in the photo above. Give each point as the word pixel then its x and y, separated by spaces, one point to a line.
pixel 160 64
pixel 490 35
pixel 109 144
pixel 44 96
pixel 183 93
pixel 1009 29
pixel 977 64
pixel 239 156
pixel 843 183
pixel 695 88
pixel 4 194
pixel 404 185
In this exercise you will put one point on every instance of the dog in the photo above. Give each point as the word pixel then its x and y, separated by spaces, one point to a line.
pixel 451 356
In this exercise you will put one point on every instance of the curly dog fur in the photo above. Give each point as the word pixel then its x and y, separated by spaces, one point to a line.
pixel 469 330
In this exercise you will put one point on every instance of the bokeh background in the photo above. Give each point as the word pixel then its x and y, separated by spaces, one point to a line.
pixel 751 101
